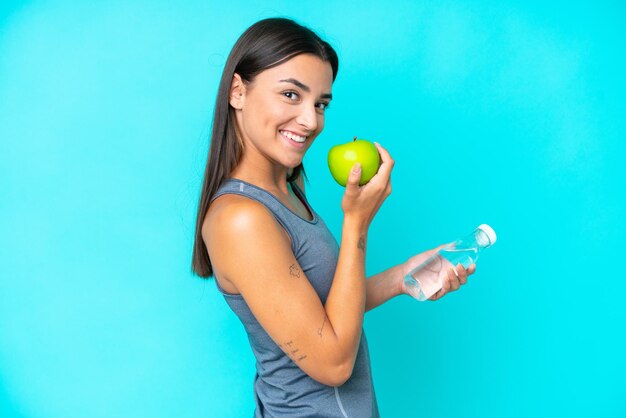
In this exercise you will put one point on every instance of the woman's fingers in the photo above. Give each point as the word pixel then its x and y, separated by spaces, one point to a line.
pixel 471 269
pixel 367 200
pixel 453 279
pixel 456 277
pixel 352 185
pixel 387 162
pixel 436 296
pixel 461 274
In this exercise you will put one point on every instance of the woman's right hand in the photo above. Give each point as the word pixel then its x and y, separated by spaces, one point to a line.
pixel 362 202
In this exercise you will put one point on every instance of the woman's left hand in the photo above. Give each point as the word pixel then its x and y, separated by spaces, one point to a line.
pixel 451 281
pixel 454 280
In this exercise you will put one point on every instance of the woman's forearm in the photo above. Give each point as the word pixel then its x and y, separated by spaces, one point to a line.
pixel 383 286
pixel 345 305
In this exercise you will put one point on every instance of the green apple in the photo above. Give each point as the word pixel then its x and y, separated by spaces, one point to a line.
pixel 342 157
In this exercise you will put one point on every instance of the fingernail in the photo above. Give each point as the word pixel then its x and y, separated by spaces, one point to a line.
pixel 356 168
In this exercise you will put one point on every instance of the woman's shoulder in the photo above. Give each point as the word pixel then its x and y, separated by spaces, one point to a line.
pixel 233 215
pixel 235 212
pixel 232 222
pixel 232 225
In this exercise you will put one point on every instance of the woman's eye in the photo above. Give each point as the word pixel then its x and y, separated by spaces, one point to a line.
pixel 290 94
pixel 293 96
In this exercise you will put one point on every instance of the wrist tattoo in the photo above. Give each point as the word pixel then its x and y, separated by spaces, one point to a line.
pixel 361 244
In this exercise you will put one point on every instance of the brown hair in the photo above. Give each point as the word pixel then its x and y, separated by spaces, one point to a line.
pixel 263 45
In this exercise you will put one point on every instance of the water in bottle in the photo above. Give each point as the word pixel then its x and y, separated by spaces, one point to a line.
pixel 427 278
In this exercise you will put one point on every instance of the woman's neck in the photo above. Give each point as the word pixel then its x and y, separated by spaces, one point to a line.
pixel 263 174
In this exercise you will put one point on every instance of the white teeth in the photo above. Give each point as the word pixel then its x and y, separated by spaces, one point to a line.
pixel 293 137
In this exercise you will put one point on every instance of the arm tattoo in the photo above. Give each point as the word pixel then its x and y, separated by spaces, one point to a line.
pixel 361 244
pixel 292 351
pixel 294 271
pixel 321 329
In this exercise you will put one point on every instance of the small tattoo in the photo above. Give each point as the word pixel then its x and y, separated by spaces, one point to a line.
pixel 294 271
pixel 361 244
pixel 321 329
pixel 291 350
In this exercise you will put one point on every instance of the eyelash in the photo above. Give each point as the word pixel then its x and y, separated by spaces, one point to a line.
pixel 326 105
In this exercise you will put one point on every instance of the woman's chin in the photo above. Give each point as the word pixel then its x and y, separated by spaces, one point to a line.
pixel 292 161
pixel 292 165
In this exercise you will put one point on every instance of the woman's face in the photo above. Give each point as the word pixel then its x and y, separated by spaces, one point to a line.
pixel 281 111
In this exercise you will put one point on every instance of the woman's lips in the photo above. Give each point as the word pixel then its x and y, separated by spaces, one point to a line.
pixel 295 144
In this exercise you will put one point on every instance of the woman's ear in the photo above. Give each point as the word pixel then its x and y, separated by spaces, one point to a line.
pixel 237 92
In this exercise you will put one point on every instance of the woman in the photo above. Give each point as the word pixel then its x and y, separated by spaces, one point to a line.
pixel 300 296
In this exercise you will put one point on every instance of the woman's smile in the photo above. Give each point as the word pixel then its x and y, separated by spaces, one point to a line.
pixel 294 140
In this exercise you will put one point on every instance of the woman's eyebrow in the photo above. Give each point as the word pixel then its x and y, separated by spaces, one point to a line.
pixel 305 87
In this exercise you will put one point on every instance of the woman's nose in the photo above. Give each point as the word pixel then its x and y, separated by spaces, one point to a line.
pixel 307 117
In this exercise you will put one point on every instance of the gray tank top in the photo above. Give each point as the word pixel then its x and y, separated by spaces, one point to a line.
pixel 281 388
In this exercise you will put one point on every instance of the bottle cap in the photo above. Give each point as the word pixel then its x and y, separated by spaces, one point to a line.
pixel 491 234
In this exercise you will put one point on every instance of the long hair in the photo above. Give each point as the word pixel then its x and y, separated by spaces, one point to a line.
pixel 263 45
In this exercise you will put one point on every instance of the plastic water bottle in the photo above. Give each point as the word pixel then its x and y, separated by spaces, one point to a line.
pixel 426 279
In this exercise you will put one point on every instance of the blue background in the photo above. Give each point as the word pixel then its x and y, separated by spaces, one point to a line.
pixel 509 113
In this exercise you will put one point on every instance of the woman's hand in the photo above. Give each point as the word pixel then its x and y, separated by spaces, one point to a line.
pixel 452 281
pixel 362 202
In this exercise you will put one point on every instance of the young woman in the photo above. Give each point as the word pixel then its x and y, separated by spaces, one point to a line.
pixel 300 296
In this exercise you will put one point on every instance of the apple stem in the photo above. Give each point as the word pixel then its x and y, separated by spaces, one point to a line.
pixel 354 138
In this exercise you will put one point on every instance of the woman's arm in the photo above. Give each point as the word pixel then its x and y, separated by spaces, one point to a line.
pixel 250 249
pixel 383 286
pixel 390 283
